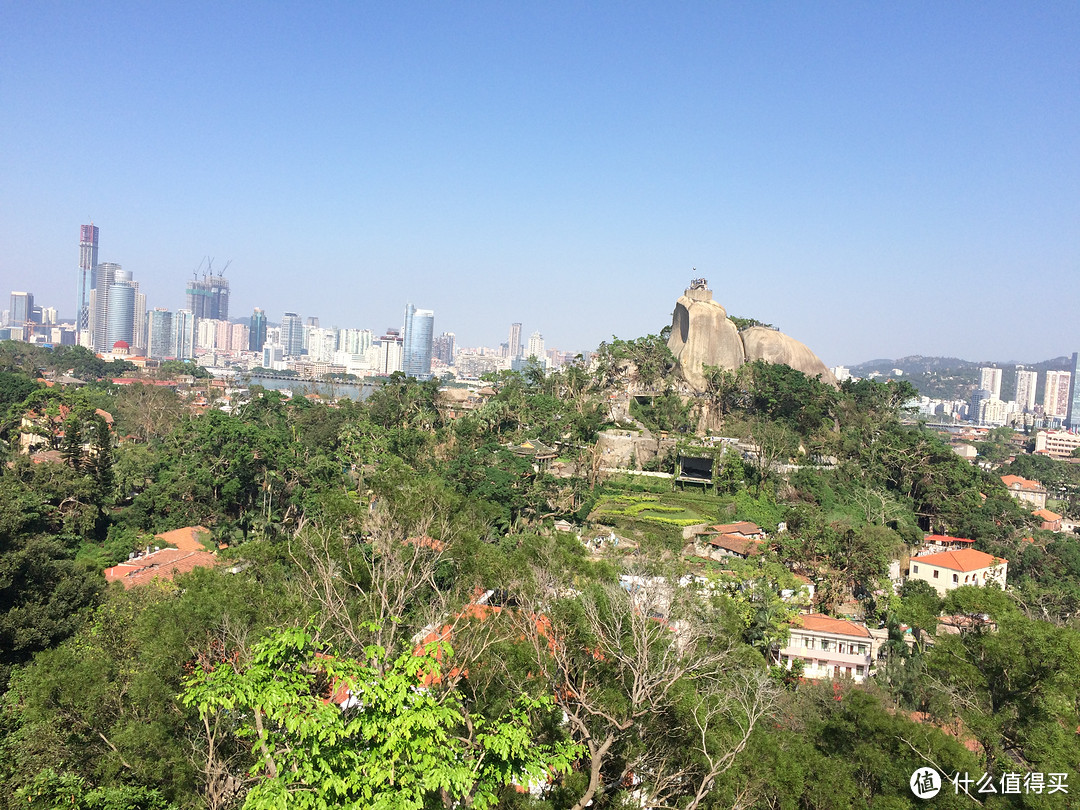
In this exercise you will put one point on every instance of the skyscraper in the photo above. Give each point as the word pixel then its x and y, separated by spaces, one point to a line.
pixel 22 308
pixel 88 259
pixel 120 311
pixel 104 275
pixel 442 347
pixel 1056 395
pixel 416 340
pixel 1072 421
pixel 257 335
pixel 208 298
pixel 162 336
pixel 292 334
pixel 184 329
pixel 990 379
pixel 1025 389
pixel 536 347
pixel 514 343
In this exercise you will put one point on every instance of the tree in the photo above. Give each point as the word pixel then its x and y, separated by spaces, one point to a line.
pixel 390 744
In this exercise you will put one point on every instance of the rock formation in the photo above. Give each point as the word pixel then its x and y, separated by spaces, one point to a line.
pixel 703 335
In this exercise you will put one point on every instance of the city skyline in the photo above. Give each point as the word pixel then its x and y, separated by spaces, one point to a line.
pixel 848 173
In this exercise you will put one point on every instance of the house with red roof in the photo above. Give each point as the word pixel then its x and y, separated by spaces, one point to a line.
pixel 828 647
pixel 1026 491
pixel 743 539
pixel 952 569
pixel 143 567
pixel 1051 521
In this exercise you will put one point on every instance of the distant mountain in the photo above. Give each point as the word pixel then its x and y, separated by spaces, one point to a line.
pixel 953 378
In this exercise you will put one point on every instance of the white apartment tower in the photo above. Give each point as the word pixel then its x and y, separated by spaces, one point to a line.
pixel 1025 389
pixel 990 380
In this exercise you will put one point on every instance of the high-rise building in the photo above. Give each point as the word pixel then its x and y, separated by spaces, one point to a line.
pixel 416 342
pixel 292 334
pixel 990 379
pixel 442 348
pixel 390 352
pixel 48 316
pixel 1056 395
pixel 162 336
pixel 184 329
pixel 536 346
pixel 120 311
pixel 514 343
pixel 209 297
pixel 257 333
pixel 979 396
pixel 88 260
pixel 1072 420
pixel 104 275
pixel 1025 389
pixel 22 308
pixel 354 341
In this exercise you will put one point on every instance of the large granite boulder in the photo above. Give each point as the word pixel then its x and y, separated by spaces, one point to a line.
pixel 703 335
pixel 762 343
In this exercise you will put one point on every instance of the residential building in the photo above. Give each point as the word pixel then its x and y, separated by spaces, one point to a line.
pixel 990 379
pixel 1056 443
pixel 993 412
pixel 828 647
pixel 513 345
pixel 1051 521
pixel 390 352
pixel 292 334
pixel 143 567
pixel 354 341
pixel 48 316
pixel 536 347
pixel 257 333
pixel 417 341
pixel 162 334
pixel 88 261
pixel 1056 394
pixel 947 570
pixel 442 348
pixel 743 539
pixel 1072 420
pixel 978 397
pixel 1026 381
pixel 1028 492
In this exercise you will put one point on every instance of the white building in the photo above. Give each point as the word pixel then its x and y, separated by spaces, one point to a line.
pixel 953 569
pixel 1056 395
pixel 1025 389
pixel 990 379
pixel 829 648
pixel 1056 443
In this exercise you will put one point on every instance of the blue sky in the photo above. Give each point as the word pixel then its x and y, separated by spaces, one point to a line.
pixel 876 179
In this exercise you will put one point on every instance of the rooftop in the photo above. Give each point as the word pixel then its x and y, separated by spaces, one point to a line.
pixel 820 623
pixel 966 559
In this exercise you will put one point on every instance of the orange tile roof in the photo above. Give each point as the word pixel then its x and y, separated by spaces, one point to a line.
pixel 1047 515
pixel 966 559
pixel 746 546
pixel 1016 482
pixel 742 527
pixel 164 564
pixel 185 539
pixel 826 624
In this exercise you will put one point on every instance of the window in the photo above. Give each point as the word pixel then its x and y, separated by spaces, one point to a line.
pixel 859 670
pixel 914 569
pixel 862 651
pixel 955 578
pixel 935 573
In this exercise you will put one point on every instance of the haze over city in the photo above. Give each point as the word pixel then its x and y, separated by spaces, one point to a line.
pixel 876 181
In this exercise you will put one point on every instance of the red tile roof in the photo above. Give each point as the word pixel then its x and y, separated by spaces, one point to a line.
pixel 944 539
pixel 1046 515
pixel 746 546
pixel 966 559
pixel 826 624
pixel 743 527
pixel 185 539
pixel 1016 482
pixel 164 564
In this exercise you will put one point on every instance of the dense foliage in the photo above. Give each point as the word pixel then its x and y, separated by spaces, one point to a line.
pixel 400 555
